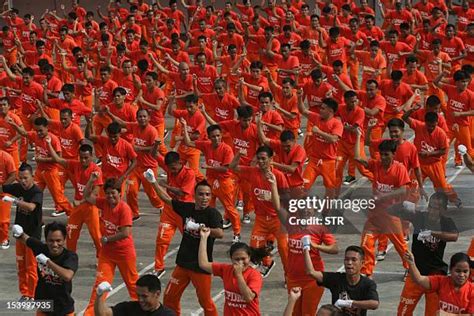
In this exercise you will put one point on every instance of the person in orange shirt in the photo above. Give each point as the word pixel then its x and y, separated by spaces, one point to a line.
pixel 286 103
pixel 83 212
pixel 244 140
pixel 8 135
pixel 327 130
pixel 232 65
pixel 271 120
pixel 119 157
pixel 196 126
pixel 389 187
pixel 460 106
pixel 394 50
pixel 151 98
pixel 432 144
pixel 288 65
pixel 266 219
pixel 453 46
pixel 118 249
pixel 336 47
pixel 396 94
pixel 308 59
pixel 68 101
pixel 253 83
pixel 127 79
pixel 373 62
pixel 8 171
pixel 218 156
pixel 352 117
pixel 47 172
pixel 205 74
pixel 414 77
pixel 145 139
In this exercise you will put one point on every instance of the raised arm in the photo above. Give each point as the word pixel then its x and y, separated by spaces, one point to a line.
pixel 202 254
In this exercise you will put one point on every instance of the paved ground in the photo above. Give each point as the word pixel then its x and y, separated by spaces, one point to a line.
pixel 388 276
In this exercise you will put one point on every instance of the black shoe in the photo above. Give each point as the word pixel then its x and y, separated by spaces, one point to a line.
pixel 349 180
pixel 136 218
pixel 167 132
pixel 236 239
pixel 226 224
pixel 159 273
pixel 265 270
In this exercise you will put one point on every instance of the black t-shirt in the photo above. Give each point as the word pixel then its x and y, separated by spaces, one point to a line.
pixel 30 221
pixel 429 254
pixel 50 286
pixel 188 250
pixel 336 282
pixel 134 309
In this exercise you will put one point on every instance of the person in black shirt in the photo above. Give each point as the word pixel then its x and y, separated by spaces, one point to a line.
pixel 432 229
pixel 352 292
pixel 148 304
pixel 28 199
pixel 56 268
pixel 195 215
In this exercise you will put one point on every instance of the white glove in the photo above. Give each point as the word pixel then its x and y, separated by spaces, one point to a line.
pixel 149 176
pixel 424 235
pixel 409 206
pixel 343 303
pixel 42 259
pixel 192 226
pixel 17 231
pixel 103 288
pixel 306 241
pixel 462 150
pixel 9 199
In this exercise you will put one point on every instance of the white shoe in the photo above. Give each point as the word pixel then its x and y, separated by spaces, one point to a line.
pixel 58 213
pixel 6 244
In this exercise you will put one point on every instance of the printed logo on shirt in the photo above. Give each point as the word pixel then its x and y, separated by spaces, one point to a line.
pixel 140 142
pixel 4 132
pixel 295 245
pixel 383 187
pixel 26 98
pixel 113 160
pixel 222 113
pixel 262 194
pixel 456 105
pixel 235 300
pixel 67 143
pixel 391 100
pixel 450 308
pixel 449 50
pixel 110 228
pixel 48 275
pixel 427 147
pixel 213 163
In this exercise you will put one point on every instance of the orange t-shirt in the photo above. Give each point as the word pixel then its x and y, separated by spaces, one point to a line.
pixel 274 118
pixel 29 95
pixel 126 113
pixel 337 50
pixel 458 102
pixel 297 155
pixel 453 47
pixel 222 109
pixel 7 132
pixel 395 96
pixel 450 300
pixel 184 180
pixel 243 140
pixel 315 94
pixel 323 149
pixel 117 157
pixel 406 153
pixel 261 185
pixel 289 64
pixel 105 92
pixel 425 141
pixel 428 62
pixel 415 78
pixel 377 102
pixel 42 150
pixel 145 138
pixel 216 157
pixel 354 117
pixel 392 53
pixel 388 180
pixel 81 176
pixel 111 219
pixel 126 82
pixel 77 107
pixel 7 166
pixel 252 95
pixel 420 116
pixel 70 138
pixel 205 77
pixel 156 117
pixel 182 86
pixel 290 105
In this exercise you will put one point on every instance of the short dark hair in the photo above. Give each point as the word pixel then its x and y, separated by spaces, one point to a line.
pixel 191 98
pixel 172 157
pixel 67 111
pixel 244 111
pixel 265 149
pixel 265 94
pixel 396 75
pixel 431 117
pixel 396 122
pixel 111 183
pixel 114 128
pixel 432 100
pixel 331 103
pixel 287 135
pixel 212 128
pixel 201 184
pixel 86 148
pixel 357 249
pixel 40 121
pixel 388 145
pixel 55 226
pixel 150 281
pixel 25 167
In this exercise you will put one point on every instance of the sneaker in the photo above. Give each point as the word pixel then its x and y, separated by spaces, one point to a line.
pixel 270 246
pixel 458 166
pixel 306 161
pixel 405 275
pixel 159 273
pixel 236 239
pixel 349 180
pixel 246 219
pixel 167 132
pixel 58 213
pixel 24 298
pixel 162 175
pixel 240 205
pixel 136 218
pixel 458 203
pixel 265 270
pixel 381 256
pixel 407 239
pixel 300 133
pixel 160 209
pixel 226 224
pixel 6 244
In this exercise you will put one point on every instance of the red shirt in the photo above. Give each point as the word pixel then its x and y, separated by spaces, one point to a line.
pixel 222 109
pixel 216 157
pixel 458 102
pixel 7 132
pixel 315 94
pixel 42 150
pixel 111 219
pixel 70 138
pixel 377 102
pixel 425 141
pixel 274 118
pixel 156 117
pixel 235 304
pixel 81 176
pixel 116 157
pixel 451 300
pixel 144 137
pixel 355 117
pixel 205 77
pixel 296 155
pixel 29 95
pixel 260 185
pixel 395 96
pixel 243 140
pixel 7 166
pixel 323 149
pixel 184 180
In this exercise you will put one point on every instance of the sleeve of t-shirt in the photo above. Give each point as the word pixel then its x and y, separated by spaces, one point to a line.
pixel 125 216
pixel 277 119
pixel 35 245
pixel 100 202
pixel 448 225
pixel 403 176
pixel 228 156
pixel 131 154
pixel 371 165
pixel 215 219
pixel 328 238
pixel 218 269
pixel 337 128
pixel 178 207
pixel 37 198
pixel 282 183
pixel 435 281
pixel 9 165
pixel 371 293
pixel 255 282
pixel 71 262
pixel 180 113
pixel 329 279
pixel 121 309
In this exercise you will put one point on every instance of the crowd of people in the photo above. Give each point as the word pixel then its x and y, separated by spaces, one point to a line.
pixel 273 95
